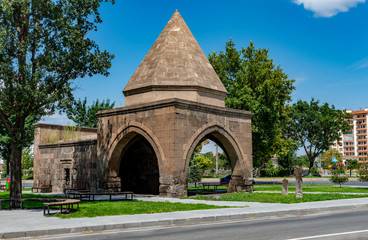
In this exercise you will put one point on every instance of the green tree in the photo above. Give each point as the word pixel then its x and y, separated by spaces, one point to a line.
pixel 255 84
pixel 27 161
pixel 289 161
pixel 5 139
pixel 224 162
pixel 363 174
pixel 352 164
pixel 271 170
pixel 194 173
pixel 302 161
pixel 339 176
pixel 83 115
pixel 203 162
pixel 44 46
pixel 315 126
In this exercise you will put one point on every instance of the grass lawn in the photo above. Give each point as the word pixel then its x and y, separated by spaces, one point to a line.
pixel 277 197
pixel 106 208
pixel 313 188
pixel 27 204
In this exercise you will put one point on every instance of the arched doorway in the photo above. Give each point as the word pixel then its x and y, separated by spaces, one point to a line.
pixel 138 170
pixel 230 148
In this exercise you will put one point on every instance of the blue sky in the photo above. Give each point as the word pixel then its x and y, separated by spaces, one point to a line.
pixel 323 44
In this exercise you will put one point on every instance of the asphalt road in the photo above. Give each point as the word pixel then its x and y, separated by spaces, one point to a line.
pixel 344 225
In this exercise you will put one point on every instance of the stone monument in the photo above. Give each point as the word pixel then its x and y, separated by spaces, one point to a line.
pixel 299 182
pixel 173 102
pixel 285 190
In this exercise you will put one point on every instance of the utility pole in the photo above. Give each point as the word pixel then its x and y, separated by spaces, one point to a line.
pixel 217 159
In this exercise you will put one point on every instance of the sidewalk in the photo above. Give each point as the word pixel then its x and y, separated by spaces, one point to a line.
pixel 28 223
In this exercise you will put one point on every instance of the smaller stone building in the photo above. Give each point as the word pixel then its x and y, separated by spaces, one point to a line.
pixel 65 156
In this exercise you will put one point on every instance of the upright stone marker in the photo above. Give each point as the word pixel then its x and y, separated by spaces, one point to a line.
pixel 299 182
pixel 285 190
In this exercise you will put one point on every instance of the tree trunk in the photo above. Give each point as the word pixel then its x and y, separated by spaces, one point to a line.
pixel 8 166
pixel 16 175
pixel 311 163
pixel 258 172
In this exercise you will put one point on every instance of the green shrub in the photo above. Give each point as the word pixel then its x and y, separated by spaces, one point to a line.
pixel 339 176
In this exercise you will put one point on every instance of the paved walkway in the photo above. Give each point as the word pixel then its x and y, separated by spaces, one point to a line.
pixel 24 223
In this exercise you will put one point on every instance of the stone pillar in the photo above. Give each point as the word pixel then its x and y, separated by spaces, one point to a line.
pixel 299 182
pixel 285 190
pixel 239 184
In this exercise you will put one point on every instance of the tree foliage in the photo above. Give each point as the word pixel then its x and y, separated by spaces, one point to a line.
pixel 194 173
pixel 255 84
pixel 352 164
pixel 5 139
pixel 270 169
pixel 315 126
pixel 339 176
pixel 289 161
pixel 83 115
pixel 43 47
pixel 363 174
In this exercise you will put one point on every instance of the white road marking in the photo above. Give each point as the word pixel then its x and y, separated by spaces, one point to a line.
pixel 329 235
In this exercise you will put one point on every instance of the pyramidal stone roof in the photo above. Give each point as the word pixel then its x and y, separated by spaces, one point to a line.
pixel 175 67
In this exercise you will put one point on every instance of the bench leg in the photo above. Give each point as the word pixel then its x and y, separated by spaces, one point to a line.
pixel 48 210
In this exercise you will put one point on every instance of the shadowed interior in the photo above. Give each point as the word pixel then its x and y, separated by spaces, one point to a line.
pixel 139 167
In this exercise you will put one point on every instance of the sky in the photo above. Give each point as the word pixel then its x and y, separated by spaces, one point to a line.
pixel 322 44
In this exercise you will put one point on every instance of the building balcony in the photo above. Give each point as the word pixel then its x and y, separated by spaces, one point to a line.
pixel 348 146
pixel 361 134
pixel 366 150
pixel 361 140
pixel 360 124
pixel 349 151
pixel 363 156
pixel 361 118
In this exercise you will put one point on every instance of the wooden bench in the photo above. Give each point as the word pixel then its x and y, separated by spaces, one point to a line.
pixel 84 195
pixel 43 185
pixel 209 184
pixel 76 186
pixel 69 203
pixel 22 200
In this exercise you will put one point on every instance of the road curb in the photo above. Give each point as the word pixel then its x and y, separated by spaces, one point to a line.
pixel 180 221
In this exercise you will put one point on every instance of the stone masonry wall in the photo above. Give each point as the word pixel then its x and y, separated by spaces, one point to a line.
pixel 174 128
pixel 57 148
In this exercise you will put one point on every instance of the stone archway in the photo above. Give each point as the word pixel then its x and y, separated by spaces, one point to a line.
pixel 133 161
pixel 229 145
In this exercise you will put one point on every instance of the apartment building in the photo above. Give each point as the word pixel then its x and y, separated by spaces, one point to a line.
pixel 353 145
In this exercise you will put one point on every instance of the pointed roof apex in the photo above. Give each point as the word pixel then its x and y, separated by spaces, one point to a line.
pixel 175 66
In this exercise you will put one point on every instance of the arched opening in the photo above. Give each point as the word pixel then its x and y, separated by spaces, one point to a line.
pixel 139 171
pixel 227 159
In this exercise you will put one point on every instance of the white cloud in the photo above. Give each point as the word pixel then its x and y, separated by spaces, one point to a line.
pixel 57 118
pixel 328 8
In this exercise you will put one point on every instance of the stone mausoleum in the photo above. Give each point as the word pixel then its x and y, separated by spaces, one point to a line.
pixel 173 102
